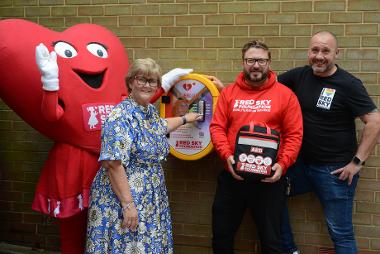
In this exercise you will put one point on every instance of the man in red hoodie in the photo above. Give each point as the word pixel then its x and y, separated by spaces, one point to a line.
pixel 255 96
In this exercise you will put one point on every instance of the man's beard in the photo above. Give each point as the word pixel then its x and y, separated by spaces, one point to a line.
pixel 256 78
pixel 320 69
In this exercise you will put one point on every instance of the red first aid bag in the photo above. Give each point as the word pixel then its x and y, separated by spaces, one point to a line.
pixel 256 151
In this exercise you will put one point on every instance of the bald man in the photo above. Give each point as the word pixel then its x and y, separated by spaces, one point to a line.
pixel 330 159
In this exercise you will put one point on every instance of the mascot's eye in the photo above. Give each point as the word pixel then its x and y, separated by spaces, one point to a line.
pixel 97 50
pixel 65 50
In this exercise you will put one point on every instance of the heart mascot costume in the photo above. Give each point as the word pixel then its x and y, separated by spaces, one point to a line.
pixel 64 84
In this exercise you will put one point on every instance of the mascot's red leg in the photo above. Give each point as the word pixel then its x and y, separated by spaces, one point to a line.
pixel 73 233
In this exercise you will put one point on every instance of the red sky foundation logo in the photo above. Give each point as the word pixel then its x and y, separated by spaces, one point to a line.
pixel 95 114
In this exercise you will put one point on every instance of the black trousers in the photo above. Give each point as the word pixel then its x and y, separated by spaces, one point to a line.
pixel 266 202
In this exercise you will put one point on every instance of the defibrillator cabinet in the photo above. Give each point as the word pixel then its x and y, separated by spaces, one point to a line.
pixel 192 93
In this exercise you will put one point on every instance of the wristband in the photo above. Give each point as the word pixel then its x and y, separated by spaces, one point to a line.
pixel 184 121
pixel 357 161
pixel 127 206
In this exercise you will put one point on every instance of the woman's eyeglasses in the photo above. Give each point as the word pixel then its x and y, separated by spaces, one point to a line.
pixel 141 81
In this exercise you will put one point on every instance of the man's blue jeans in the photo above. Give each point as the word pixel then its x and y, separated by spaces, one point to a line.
pixel 336 197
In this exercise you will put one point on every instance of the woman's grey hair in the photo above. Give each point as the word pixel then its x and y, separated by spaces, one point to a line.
pixel 144 67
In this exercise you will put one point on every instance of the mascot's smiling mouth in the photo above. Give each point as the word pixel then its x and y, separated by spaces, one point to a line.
pixel 92 80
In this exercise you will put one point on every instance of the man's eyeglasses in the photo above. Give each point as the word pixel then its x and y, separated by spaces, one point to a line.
pixel 141 81
pixel 252 61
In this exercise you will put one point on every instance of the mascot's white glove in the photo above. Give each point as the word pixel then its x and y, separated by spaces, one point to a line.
pixel 47 64
pixel 170 78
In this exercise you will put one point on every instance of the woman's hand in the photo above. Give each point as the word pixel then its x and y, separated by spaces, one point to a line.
pixel 192 117
pixel 130 217
pixel 175 122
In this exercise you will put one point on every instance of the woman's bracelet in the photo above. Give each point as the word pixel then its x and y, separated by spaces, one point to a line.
pixel 184 121
pixel 127 206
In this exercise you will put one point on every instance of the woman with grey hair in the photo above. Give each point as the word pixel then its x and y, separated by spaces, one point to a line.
pixel 129 208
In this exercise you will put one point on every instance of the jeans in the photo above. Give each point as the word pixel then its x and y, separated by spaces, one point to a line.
pixel 266 202
pixel 336 197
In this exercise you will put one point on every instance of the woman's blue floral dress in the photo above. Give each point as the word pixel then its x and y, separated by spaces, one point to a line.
pixel 136 136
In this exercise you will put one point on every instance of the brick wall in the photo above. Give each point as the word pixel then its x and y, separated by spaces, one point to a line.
pixel 206 35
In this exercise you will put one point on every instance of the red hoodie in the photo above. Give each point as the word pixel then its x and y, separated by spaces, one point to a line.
pixel 272 103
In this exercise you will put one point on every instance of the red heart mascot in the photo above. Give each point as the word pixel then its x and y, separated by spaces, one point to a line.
pixel 68 105
pixel 68 109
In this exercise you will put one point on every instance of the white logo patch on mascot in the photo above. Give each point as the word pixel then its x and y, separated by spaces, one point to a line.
pixel 94 115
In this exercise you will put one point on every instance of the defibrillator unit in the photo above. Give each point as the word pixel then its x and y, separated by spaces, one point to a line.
pixel 256 151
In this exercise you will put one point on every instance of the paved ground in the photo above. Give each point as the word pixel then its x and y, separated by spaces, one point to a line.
pixel 14 249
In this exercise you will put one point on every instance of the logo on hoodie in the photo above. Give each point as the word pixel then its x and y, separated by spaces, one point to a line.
pixel 252 106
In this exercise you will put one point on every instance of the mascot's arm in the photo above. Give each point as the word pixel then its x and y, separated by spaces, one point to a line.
pixel 168 80
pixel 47 64
pixel 50 108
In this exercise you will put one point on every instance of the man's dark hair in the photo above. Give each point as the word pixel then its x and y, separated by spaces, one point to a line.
pixel 255 44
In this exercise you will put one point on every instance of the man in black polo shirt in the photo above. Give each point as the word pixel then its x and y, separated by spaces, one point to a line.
pixel 330 158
